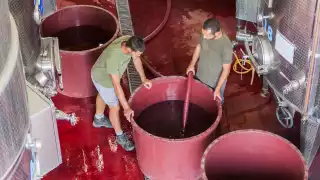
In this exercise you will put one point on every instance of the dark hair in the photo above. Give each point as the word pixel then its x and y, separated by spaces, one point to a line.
pixel 136 43
pixel 211 24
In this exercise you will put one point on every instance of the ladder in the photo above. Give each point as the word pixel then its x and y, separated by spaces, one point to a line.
pixel 126 28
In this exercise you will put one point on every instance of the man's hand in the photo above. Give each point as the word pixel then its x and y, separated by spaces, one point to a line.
pixel 128 113
pixel 147 83
pixel 190 69
pixel 216 94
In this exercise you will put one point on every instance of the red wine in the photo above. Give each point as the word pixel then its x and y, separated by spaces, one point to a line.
pixel 164 119
pixel 81 38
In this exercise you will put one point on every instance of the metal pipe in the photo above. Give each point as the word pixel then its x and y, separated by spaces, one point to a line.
pixel 243 36
pixel 253 60
pixel 315 45
pixel 239 24
pixel 270 3
pixel 36 12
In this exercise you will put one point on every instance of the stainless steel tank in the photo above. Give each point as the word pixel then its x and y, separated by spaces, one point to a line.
pixel 5 33
pixel 14 117
pixel 285 51
pixel 22 12
pixel 21 170
pixel 282 47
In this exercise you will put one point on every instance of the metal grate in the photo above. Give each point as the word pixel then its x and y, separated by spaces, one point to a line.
pixel 126 28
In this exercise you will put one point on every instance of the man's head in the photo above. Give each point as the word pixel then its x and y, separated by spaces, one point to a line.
pixel 135 45
pixel 211 28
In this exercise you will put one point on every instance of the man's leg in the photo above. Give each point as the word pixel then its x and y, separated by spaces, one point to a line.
pixel 114 115
pixel 99 119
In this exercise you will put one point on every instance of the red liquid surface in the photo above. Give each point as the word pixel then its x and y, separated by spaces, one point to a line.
pixel 164 119
pixel 82 38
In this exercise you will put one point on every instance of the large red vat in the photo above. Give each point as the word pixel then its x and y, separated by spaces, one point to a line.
pixel 76 64
pixel 172 159
pixel 253 155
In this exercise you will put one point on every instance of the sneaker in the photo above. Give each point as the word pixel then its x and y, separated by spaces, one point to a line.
pixel 103 122
pixel 125 142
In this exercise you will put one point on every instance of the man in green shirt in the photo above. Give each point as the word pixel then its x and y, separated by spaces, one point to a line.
pixel 106 74
pixel 215 52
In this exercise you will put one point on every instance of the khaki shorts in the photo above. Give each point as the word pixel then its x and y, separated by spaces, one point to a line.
pixel 108 95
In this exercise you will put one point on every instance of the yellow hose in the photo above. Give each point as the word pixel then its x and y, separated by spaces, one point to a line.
pixel 239 62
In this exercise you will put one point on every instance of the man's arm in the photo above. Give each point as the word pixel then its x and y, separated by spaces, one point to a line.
pixel 119 91
pixel 195 57
pixel 226 67
pixel 138 64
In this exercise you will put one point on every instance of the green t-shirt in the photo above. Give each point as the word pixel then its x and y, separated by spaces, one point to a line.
pixel 214 53
pixel 111 61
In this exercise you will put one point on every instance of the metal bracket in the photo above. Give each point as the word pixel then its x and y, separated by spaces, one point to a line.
pixel 57 61
pixel 48 68
pixel 34 145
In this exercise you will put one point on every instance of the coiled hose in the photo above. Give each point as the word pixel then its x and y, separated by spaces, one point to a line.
pixel 244 70
pixel 154 33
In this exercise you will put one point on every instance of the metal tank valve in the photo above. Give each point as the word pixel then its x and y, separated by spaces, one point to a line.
pixel 283 114
pixel 60 115
pixel 293 85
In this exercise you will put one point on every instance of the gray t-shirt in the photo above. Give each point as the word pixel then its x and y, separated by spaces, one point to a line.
pixel 214 53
